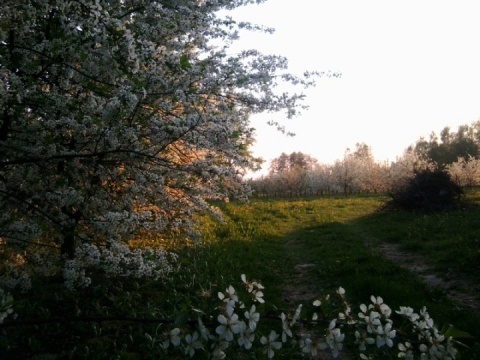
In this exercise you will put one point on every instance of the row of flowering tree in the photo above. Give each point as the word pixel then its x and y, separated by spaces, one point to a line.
pixel 358 172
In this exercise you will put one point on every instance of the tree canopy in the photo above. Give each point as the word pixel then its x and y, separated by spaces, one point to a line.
pixel 295 160
pixel 451 145
pixel 124 115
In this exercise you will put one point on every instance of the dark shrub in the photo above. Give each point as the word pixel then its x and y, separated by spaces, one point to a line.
pixel 430 190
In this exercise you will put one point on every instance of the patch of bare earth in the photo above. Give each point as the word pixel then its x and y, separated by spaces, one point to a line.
pixel 455 288
pixel 297 290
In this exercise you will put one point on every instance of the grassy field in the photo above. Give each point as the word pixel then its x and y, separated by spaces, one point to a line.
pixel 299 249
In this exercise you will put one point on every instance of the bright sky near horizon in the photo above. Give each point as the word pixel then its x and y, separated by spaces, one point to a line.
pixel 408 68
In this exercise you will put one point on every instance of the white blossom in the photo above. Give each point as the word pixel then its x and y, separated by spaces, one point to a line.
pixel 172 337
pixel 246 335
pixel 253 318
pixel 405 351
pixel 228 326
pixel 230 295
pixel 408 313
pixel 6 303
pixel 362 339
pixel 286 331
pixel 385 334
pixel 270 345
pixel 334 338
pixel 312 346
pixel 192 344
pixel 133 124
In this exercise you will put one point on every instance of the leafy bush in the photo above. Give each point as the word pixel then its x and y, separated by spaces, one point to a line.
pixel 430 190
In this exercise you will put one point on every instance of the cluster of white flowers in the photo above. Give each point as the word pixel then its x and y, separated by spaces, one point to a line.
pixel 376 318
pixel 15 277
pixel 231 327
pixel 254 288
pixel 237 326
pixel 117 259
pixel 74 275
pixel 431 344
pixel 43 262
pixel 17 268
pixel 372 327
pixel 136 113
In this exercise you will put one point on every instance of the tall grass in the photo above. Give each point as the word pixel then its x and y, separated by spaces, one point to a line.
pixel 266 240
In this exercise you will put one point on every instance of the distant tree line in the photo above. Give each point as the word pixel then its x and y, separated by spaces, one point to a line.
pixel 299 174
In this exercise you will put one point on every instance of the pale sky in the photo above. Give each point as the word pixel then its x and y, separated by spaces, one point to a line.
pixel 408 68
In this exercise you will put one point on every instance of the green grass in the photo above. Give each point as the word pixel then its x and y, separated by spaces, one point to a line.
pixel 266 240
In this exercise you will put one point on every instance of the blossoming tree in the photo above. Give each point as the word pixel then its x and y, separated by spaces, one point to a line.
pixel 121 115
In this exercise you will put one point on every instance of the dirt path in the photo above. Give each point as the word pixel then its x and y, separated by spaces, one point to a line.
pixel 297 290
pixel 455 288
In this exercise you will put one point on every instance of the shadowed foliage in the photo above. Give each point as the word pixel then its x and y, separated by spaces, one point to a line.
pixel 430 190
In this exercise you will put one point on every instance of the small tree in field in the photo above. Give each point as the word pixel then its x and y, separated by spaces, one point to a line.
pixel 117 116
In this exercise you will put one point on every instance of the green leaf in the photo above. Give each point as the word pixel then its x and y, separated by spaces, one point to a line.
pixel 184 63
pixel 449 330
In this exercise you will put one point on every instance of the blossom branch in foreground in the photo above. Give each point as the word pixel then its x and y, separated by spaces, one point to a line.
pixel 372 329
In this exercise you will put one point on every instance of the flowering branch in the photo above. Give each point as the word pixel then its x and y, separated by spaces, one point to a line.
pixel 235 326
pixel 372 328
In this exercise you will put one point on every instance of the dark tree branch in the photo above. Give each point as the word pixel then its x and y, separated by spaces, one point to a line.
pixel 96 319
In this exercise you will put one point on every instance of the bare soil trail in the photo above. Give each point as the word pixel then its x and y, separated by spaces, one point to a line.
pixel 463 290
pixel 460 289
pixel 299 289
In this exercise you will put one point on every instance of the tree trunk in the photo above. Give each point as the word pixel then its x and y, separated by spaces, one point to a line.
pixel 67 249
